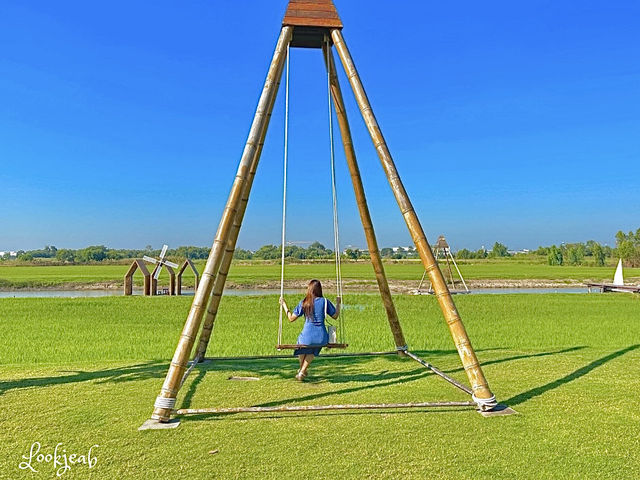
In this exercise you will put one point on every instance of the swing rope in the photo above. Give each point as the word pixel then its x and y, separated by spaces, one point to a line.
pixel 334 193
pixel 284 193
pixel 334 196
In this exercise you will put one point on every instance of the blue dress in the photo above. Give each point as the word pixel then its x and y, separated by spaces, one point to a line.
pixel 314 332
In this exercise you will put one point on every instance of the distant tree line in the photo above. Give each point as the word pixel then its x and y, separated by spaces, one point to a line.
pixel 315 251
pixel 575 253
pixel 498 250
pixel 100 253
pixel 565 254
pixel 627 248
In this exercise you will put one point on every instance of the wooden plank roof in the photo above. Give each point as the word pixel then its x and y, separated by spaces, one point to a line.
pixel 441 243
pixel 312 13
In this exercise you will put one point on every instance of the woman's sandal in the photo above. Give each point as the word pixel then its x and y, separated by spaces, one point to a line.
pixel 300 376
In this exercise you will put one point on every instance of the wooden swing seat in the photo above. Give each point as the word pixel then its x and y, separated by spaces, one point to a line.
pixel 293 346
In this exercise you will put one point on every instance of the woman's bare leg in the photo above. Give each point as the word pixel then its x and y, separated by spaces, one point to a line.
pixel 301 359
pixel 306 362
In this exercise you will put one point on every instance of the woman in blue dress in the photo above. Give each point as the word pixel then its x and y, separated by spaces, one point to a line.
pixel 314 334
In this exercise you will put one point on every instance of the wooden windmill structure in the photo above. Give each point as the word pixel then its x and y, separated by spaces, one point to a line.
pixel 442 253
pixel 159 263
pixel 313 24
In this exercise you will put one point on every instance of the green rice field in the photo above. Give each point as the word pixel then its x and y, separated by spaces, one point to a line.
pixel 85 372
pixel 261 273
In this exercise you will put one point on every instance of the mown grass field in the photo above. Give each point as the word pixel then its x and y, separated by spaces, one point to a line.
pixel 86 371
pixel 262 273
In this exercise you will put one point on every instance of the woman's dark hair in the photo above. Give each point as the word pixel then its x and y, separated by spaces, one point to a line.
pixel 314 290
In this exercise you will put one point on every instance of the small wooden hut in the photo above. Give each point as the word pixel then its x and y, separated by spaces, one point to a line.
pixel 128 277
pixel 187 263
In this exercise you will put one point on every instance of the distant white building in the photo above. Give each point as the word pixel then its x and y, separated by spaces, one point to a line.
pixel 353 247
pixel 401 249
pixel 11 254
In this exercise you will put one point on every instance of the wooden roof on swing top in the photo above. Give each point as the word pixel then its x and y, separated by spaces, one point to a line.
pixel 442 242
pixel 311 20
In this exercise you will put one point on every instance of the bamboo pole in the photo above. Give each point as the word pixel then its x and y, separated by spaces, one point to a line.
pixel 166 400
pixel 361 200
pixel 223 272
pixel 316 408
pixel 481 392
pixel 221 279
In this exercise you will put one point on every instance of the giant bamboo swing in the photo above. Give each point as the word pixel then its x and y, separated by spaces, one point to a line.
pixel 315 24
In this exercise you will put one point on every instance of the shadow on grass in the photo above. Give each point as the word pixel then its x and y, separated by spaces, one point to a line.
pixel 186 403
pixel 581 372
pixel 395 379
pixel 521 357
pixel 276 367
pixel 333 370
pixel 287 366
pixel 386 378
pixel 130 373
pixel 282 368
pixel 400 378
pixel 349 371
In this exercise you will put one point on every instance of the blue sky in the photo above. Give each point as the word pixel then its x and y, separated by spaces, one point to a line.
pixel 122 123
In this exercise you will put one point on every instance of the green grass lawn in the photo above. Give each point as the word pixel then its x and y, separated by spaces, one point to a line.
pixel 261 273
pixel 86 371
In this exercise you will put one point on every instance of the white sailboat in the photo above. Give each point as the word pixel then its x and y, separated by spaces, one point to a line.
pixel 617 285
pixel 618 278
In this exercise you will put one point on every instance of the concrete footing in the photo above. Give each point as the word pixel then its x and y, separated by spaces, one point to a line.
pixel 156 425
pixel 498 410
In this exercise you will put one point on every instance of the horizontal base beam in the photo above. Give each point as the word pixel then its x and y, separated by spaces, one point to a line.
pixel 316 408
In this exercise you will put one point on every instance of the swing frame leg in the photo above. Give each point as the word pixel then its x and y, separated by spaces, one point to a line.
pixel 361 200
pixel 165 401
pixel 481 392
pixel 225 265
